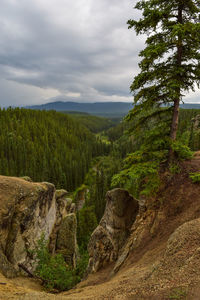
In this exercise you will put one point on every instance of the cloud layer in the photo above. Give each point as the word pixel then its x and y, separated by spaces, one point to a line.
pixel 80 50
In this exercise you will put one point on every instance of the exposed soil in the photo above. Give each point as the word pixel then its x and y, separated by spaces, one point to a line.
pixel 164 264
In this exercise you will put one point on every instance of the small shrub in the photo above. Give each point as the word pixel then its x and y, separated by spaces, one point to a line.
pixel 82 263
pixel 52 269
pixel 178 293
pixel 195 177
pixel 182 151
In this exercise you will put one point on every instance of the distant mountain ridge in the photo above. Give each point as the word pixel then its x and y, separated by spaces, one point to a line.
pixel 190 106
pixel 96 108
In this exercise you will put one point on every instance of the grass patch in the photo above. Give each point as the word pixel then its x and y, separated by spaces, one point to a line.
pixel 178 293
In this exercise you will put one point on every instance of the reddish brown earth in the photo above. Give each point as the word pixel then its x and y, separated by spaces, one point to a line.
pixel 164 252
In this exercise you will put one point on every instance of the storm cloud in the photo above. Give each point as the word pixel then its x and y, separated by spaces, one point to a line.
pixel 77 50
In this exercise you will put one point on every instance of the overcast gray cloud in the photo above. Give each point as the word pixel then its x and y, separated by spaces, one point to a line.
pixel 78 50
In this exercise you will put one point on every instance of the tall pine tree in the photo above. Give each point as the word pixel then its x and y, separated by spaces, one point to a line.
pixel 170 65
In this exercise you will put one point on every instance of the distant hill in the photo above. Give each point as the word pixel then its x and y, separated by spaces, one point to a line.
pixel 105 109
pixel 190 106
pixel 98 108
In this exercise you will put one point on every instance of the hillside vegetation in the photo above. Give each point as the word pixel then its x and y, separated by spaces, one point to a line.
pixel 161 257
pixel 100 177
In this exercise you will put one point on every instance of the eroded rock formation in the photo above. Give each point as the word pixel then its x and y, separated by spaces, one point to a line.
pixel 113 230
pixel 27 210
pixel 66 243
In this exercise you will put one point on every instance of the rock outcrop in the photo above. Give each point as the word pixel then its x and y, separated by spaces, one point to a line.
pixel 113 230
pixel 81 196
pixel 196 122
pixel 64 206
pixel 27 210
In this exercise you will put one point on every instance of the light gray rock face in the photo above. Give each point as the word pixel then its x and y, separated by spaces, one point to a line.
pixel 113 230
pixel 28 210
pixel 66 243
pixel 63 208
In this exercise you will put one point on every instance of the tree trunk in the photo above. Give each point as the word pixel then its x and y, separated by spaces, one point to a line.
pixel 175 116
pixel 174 124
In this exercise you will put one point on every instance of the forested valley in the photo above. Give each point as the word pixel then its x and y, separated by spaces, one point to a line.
pixel 78 152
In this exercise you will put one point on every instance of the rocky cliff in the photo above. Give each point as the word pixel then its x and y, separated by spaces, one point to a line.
pixel 27 210
pixel 113 230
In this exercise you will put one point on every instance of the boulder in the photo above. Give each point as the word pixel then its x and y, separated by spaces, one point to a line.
pixel 113 230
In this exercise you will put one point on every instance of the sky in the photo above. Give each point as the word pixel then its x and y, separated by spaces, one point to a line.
pixel 78 50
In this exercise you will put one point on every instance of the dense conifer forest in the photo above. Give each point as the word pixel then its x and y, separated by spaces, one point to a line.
pixel 94 123
pixel 46 146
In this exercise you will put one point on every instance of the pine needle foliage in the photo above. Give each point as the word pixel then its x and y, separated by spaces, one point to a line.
pixel 46 146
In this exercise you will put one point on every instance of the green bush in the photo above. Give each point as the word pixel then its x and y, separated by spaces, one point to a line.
pixel 82 263
pixel 182 151
pixel 140 174
pixel 52 269
pixel 195 177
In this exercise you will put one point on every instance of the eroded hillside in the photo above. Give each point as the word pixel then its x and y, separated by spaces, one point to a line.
pixel 161 258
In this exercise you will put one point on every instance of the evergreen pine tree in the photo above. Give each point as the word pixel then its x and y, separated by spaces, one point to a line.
pixel 170 65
